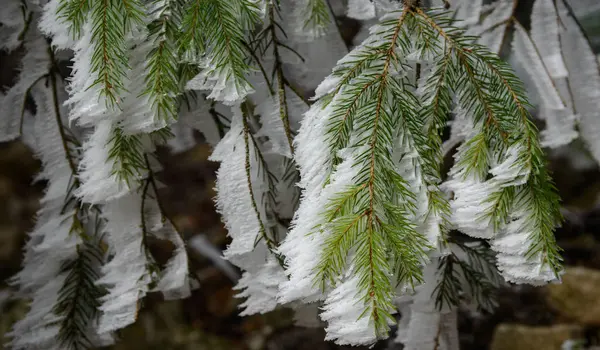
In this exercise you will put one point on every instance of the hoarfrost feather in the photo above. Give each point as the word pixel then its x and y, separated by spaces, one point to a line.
pixel 183 137
pixel 468 12
pixel 471 193
pixel 34 65
pixel 429 327
pixel 233 194
pixel 560 127
pixel 174 282
pixel 126 275
pixel 512 245
pixel 139 113
pixel 527 54
pixel 204 247
pixel 218 80
pixel 259 285
pixel 53 26
pixel 88 104
pixel 302 246
pixel 197 116
pixel 361 9
pixel 342 311
pixel 98 181
pixel 320 54
pixel 493 29
pixel 273 127
pixel 584 79
pixel 544 32
pixel 12 25
pixel 40 327
pixel 432 330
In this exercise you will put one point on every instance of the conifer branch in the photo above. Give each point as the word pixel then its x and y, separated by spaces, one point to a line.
pixel 162 81
pixel 111 21
pixel 224 25
pixel 126 151
pixel 281 93
pixel 375 215
pixel 263 231
pixel 74 12
pixel 516 128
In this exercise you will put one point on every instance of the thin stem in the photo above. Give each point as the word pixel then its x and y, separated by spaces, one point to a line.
pixel 283 108
pixel 56 105
pixel 263 232
pixel 371 181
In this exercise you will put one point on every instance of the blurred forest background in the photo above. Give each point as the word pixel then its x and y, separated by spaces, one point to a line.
pixel 527 318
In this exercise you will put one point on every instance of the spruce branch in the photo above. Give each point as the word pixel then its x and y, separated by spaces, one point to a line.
pixel 223 26
pixel 271 245
pixel 111 21
pixel 74 12
pixel 384 133
pixel 278 70
pixel 510 118
pixel 469 272
pixel 78 300
pixel 79 296
pixel 127 153
pixel 162 80
pixel 372 215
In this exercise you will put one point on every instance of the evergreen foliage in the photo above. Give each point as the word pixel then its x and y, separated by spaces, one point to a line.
pixel 339 201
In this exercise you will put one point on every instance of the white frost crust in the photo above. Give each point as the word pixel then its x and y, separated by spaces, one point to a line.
pixel 139 111
pixel 53 26
pixel 408 165
pixel 301 14
pixel 50 236
pixel 12 25
pixel 125 275
pixel 584 79
pixel 513 240
pixel 98 182
pixel 526 53
pixel 491 31
pixel 174 282
pixel 34 65
pixel 544 32
pixel 273 127
pixel 197 116
pixel 233 195
pixel 560 120
pixel 37 331
pixel 429 330
pixel 560 127
pixel 204 247
pixel 470 192
pixel 342 310
pixel 512 245
pixel 303 245
pixel 361 9
pixel 260 283
pixel 51 242
pixel 468 12
pixel 87 105
pixel 320 53
pixel 422 324
pixel 218 80
pixel 262 273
